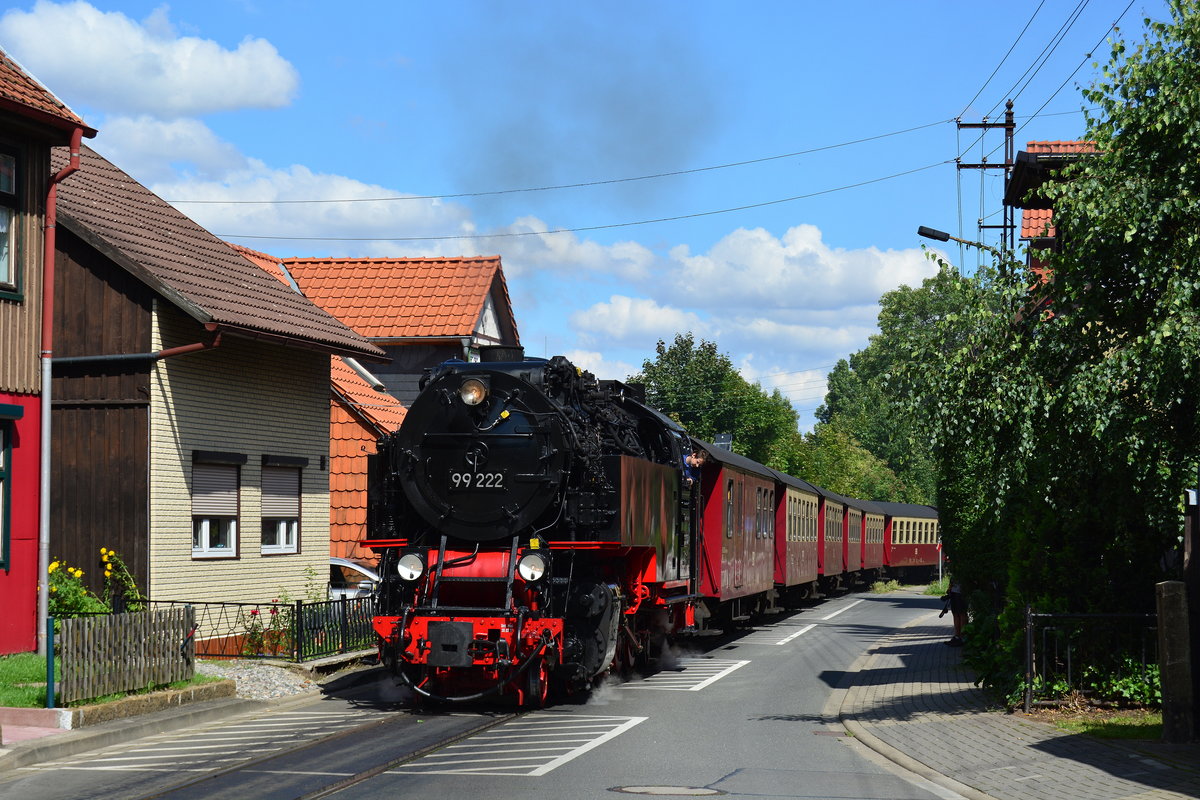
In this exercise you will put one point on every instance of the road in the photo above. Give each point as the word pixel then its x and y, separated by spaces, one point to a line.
pixel 751 715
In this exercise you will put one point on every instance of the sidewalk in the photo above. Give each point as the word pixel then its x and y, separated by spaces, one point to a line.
pixel 915 703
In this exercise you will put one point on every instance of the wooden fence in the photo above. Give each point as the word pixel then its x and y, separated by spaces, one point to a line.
pixel 123 652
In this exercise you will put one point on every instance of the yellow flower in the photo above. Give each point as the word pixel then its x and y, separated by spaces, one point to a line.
pixel 105 559
pixel 54 588
pixel 108 573
pixel 53 566
pixel 78 573
pixel 103 551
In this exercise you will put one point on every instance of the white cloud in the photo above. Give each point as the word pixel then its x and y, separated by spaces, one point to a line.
pixel 634 319
pixel 565 252
pixel 154 150
pixel 753 269
pixel 112 62
pixel 599 365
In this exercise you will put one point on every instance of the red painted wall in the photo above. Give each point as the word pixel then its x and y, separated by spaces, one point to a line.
pixel 18 583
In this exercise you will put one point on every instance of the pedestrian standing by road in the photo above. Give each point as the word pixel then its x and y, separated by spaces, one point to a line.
pixel 956 604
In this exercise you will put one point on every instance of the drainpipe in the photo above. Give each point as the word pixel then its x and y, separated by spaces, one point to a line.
pixel 47 352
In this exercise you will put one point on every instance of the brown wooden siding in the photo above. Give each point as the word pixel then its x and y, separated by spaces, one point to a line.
pixel 100 424
pixel 21 320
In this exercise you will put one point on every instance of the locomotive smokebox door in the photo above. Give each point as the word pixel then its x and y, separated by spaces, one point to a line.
pixel 448 643
pixel 487 453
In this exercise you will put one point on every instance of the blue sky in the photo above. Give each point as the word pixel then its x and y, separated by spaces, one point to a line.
pixel 796 146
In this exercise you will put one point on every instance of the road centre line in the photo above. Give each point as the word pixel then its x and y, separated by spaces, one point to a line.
pixel 808 628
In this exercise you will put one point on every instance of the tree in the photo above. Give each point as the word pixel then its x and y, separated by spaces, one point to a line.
pixel 699 387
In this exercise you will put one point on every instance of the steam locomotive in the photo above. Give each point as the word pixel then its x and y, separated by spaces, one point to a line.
pixel 535 531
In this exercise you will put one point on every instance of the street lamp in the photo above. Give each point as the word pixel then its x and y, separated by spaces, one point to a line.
pixel 942 236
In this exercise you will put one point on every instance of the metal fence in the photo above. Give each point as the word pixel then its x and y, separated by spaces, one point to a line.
pixel 296 631
pixel 1088 653
pixel 103 655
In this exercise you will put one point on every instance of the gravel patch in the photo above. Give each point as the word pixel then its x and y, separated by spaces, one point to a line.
pixel 256 680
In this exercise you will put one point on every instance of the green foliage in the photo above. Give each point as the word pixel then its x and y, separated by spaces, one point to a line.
pixel 1129 682
pixel 69 597
pixel 23 681
pixel 119 582
pixel 266 630
pixel 939 587
pixel 699 387
pixel 883 587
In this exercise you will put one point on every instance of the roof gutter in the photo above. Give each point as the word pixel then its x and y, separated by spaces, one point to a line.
pixel 48 351
pixel 155 355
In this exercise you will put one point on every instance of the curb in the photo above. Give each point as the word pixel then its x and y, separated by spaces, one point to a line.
pixel 897 757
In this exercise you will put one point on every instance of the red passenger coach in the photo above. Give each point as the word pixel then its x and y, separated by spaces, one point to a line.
pixel 796 538
pixel 874 519
pixel 831 549
pixel 852 553
pixel 735 568
pixel 912 539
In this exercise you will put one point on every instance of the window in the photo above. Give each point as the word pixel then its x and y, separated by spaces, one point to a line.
pixel 215 510
pixel 280 509
pixel 10 273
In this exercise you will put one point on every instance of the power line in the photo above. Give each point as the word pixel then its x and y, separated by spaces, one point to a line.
pixel 584 228
pixel 1005 58
pixel 574 185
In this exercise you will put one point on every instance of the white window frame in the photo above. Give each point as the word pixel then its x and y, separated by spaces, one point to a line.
pixel 281 500
pixel 215 510
pixel 10 277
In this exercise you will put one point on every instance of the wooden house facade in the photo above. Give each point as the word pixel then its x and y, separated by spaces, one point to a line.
pixel 32 120
pixel 191 411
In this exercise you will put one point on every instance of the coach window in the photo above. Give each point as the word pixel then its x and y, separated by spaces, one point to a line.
pixel 280 510
pixel 10 270
pixel 216 478
pixel 729 509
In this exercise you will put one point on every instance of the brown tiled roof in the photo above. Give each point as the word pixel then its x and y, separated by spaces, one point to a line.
pixel 384 298
pixel 188 265
pixel 22 93
pixel 350 442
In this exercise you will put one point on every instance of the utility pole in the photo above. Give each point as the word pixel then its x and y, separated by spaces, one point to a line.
pixel 1008 227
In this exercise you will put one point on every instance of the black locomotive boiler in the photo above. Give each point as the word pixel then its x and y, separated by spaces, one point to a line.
pixel 533 528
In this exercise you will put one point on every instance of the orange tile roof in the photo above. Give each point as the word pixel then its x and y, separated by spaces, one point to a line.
pixel 384 298
pixel 1038 223
pixel 24 94
pixel 1061 147
pixel 379 408
pixel 357 417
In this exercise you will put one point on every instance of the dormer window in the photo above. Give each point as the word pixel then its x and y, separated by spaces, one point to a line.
pixel 9 269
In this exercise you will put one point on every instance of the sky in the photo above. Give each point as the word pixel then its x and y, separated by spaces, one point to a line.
pixel 754 173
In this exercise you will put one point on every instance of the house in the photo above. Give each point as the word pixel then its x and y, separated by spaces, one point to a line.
pixel 420 311
pixel 361 411
pixel 1035 166
pixel 191 403
pixel 32 120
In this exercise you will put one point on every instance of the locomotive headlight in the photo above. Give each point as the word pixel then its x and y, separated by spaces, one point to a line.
pixel 473 391
pixel 410 567
pixel 532 567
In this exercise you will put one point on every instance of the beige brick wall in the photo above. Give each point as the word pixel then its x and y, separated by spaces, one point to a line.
pixel 250 397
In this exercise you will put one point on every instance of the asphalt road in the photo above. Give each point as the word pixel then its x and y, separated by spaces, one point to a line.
pixel 752 715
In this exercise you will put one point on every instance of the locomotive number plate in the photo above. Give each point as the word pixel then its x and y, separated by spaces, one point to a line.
pixel 476 480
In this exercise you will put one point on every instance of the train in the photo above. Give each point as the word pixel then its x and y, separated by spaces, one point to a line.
pixel 538 529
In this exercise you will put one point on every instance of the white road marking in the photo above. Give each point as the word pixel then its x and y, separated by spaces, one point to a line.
pixel 692 675
pixel 490 753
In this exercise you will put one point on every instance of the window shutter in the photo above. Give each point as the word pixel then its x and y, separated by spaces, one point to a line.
pixel 280 492
pixel 214 490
